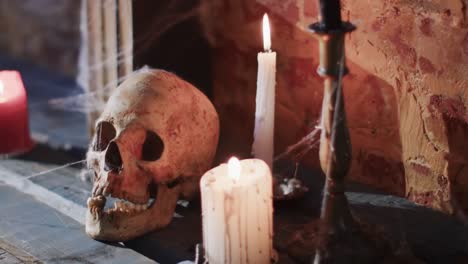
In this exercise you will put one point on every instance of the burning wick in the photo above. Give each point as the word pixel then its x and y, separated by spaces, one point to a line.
pixel 234 168
pixel 266 33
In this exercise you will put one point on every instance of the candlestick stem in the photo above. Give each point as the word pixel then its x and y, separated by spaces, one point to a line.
pixel 335 158
pixel 335 147
pixel 330 14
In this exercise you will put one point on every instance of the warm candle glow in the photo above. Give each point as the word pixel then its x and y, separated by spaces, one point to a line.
pixel 14 129
pixel 234 168
pixel 2 92
pixel 238 214
pixel 266 33
pixel 2 88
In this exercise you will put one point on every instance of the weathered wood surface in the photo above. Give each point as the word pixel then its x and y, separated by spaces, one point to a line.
pixel 111 72
pixel 125 17
pixel 44 232
pixel 11 254
pixel 7 258
pixel 431 236
pixel 52 237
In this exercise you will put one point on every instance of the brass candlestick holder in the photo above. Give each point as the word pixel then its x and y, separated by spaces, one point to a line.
pixel 335 146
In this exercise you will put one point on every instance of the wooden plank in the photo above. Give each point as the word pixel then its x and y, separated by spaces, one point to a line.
pixel 7 258
pixel 51 236
pixel 95 56
pixel 111 81
pixel 65 181
pixel 12 254
pixel 54 200
pixel 126 37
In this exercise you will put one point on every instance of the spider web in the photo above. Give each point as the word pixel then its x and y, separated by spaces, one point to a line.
pixel 88 101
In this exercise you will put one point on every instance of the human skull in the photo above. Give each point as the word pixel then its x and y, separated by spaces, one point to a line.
pixel 155 138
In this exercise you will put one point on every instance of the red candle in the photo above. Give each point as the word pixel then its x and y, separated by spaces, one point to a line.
pixel 14 128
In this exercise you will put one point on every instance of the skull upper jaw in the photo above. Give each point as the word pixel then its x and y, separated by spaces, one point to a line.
pixel 122 226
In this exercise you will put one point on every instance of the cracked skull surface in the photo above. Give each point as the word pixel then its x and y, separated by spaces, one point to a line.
pixel 155 138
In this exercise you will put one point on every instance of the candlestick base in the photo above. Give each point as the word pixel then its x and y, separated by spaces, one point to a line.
pixel 361 244
pixel 200 256
pixel 366 243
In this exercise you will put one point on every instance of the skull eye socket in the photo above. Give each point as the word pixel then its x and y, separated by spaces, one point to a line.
pixel 113 160
pixel 152 148
pixel 105 132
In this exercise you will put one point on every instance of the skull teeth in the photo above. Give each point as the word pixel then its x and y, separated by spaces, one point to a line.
pixel 124 206
pixel 97 204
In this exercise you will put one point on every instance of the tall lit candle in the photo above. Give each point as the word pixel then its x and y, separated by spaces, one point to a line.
pixel 263 145
pixel 237 212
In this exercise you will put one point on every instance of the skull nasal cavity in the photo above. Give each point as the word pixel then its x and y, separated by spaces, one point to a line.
pixel 113 160
pixel 152 148
pixel 105 132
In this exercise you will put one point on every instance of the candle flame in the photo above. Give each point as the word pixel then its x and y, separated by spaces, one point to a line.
pixel 266 33
pixel 234 168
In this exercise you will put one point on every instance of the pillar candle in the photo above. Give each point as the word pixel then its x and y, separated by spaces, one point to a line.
pixel 237 212
pixel 14 127
pixel 263 145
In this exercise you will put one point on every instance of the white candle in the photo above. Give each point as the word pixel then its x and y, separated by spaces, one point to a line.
pixel 237 212
pixel 263 145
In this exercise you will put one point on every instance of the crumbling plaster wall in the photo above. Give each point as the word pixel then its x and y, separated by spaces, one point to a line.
pixel 420 49
pixel 406 94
